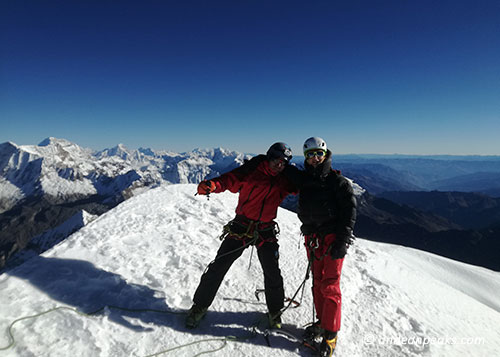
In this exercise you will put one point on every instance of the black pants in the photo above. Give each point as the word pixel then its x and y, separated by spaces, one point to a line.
pixel 228 252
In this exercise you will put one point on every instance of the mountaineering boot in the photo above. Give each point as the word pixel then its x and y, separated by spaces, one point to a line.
pixel 195 314
pixel 327 346
pixel 314 331
pixel 274 319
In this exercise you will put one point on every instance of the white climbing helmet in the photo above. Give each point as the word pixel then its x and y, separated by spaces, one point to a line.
pixel 314 143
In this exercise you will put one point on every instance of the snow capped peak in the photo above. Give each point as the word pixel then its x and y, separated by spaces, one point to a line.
pixel 215 152
pixel 59 150
pixel 120 151
pixel 120 148
pixel 55 141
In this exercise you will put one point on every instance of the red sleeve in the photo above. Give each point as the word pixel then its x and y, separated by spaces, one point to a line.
pixel 228 181
pixel 233 180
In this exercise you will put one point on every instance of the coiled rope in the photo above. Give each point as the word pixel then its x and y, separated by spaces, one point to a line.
pixel 224 340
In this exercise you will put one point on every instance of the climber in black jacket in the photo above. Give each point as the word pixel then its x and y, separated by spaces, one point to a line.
pixel 327 210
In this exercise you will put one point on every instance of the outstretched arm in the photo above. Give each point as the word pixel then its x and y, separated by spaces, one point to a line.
pixel 233 179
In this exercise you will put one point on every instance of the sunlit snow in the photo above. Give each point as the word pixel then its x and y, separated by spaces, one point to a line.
pixel 150 251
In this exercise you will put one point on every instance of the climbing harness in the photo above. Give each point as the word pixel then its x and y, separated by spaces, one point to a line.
pixel 313 242
pixel 242 228
pixel 249 232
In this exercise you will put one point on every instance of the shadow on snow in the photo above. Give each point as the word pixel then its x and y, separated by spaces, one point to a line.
pixel 89 289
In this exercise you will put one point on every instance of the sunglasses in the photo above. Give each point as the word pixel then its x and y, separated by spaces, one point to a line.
pixel 311 154
pixel 280 162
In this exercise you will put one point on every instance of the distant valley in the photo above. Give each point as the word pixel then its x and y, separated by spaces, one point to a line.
pixel 381 173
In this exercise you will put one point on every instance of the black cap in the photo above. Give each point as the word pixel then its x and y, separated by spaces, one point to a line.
pixel 279 151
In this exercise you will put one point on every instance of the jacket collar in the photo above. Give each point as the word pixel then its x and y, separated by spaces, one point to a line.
pixel 264 167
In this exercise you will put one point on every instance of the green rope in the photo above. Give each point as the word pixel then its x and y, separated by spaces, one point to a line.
pixel 9 330
pixel 222 339
pixel 12 339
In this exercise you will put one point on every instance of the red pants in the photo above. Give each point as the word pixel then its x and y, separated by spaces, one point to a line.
pixel 326 281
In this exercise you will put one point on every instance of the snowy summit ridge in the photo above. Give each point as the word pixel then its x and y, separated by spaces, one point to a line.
pixel 149 252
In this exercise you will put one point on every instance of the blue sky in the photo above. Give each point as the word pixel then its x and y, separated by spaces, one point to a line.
pixel 409 77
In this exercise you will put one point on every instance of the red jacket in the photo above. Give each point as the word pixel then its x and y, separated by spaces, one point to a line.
pixel 261 190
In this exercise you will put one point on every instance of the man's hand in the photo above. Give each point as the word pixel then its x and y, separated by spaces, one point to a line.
pixel 338 249
pixel 206 187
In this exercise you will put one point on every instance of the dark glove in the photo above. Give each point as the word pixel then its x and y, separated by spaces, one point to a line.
pixel 205 187
pixel 338 249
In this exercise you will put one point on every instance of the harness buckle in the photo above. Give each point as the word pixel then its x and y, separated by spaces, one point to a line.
pixel 313 242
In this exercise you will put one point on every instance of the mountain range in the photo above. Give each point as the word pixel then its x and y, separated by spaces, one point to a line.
pixel 57 186
pixel 42 186
pixel 61 171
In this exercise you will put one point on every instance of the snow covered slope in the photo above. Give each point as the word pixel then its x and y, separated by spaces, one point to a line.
pixel 150 251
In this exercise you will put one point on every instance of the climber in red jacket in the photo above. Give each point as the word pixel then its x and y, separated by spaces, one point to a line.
pixel 262 188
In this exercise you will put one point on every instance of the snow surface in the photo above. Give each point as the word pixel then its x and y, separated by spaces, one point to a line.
pixel 150 251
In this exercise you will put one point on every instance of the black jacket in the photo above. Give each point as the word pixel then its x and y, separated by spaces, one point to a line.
pixel 326 199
